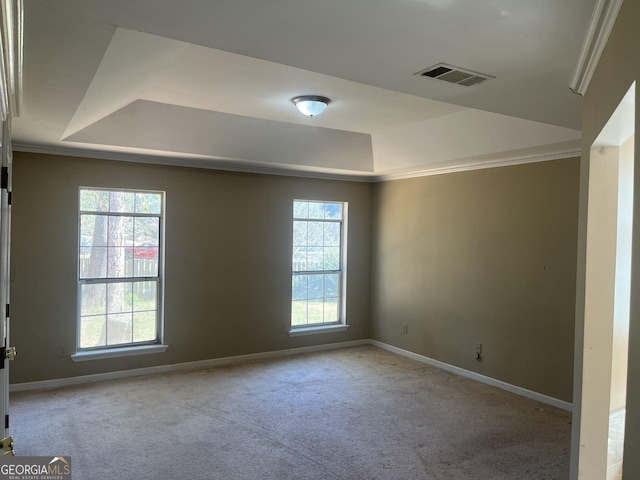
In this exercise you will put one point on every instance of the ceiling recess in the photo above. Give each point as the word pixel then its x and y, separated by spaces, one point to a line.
pixel 457 75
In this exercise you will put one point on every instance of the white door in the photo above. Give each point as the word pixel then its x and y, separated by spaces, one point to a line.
pixel 10 101
pixel 6 352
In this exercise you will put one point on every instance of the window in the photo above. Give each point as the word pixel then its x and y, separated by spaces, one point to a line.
pixel 318 263
pixel 119 268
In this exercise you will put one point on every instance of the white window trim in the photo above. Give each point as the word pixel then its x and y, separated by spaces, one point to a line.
pixel 98 353
pixel 315 329
pixel 84 355
pixel 341 325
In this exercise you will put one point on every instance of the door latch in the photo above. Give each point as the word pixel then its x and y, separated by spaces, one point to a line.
pixel 9 353
pixel 6 446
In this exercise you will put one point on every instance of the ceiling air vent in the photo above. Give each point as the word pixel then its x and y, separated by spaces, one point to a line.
pixel 457 75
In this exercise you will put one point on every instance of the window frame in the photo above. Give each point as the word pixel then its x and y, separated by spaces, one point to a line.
pixel 341 323
pixel 129 348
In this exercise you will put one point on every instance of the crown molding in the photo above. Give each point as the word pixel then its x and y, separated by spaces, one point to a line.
pixel 209 163
pixel 603 18
pixel 480 165
pixel 248 167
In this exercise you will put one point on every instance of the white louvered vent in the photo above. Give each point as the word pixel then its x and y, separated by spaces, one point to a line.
pixel 457 75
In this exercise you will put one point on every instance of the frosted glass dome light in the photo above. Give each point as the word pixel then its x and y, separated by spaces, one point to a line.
pixel 311 105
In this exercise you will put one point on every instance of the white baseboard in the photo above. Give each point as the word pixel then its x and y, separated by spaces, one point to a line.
pixel 476 376
pixel 214 362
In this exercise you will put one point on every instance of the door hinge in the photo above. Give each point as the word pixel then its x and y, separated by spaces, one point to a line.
pixel 6 446
pixel 4 177
pixel 7 311
pixel 9 197
pixel 6 421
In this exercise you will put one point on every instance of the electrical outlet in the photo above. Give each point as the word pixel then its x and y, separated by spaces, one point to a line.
pixel 283 328
pixel 405 328
pixel 63 351
pixel 478 351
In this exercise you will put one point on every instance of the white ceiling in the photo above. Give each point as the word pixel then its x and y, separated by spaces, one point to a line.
pixel 212 81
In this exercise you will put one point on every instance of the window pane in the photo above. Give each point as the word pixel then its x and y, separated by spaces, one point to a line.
pixel 315 259
pixel 119 262
pixel 315 286
pixel 94 200
pixel 332 234
pixel 331 258
pixel 299 233
pixel 120 231
pixel 300 209
pixel 93 300
pixel 119 297
pixel 87 227
pixel 122 202
pixel 331 282
pixel 93 262
pixel 148 203
pixel 119 328
pixel 146 253
pixel 299 312
pixel 83 261
pixel 316 234
pixel 299 259
pixel 145 263
pixel 144 296
pixel 299 287
pixel 331 310
pixel 316 210
pixel 93 331
pixel 93 230
pixel 144 326
pixel 316 311
pixel 333 211
pixel 147 231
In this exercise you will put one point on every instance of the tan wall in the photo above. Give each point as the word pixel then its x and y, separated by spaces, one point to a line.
pixel 488 257
pixel 228 261
pixel 617 70
pixel 477 257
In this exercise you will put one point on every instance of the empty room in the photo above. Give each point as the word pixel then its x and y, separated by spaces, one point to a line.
pixel 310 240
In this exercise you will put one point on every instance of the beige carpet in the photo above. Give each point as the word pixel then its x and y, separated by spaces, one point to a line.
pixel 358 413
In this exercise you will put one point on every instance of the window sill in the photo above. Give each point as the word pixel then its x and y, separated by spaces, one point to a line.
pixel 298 331
pixel 117 352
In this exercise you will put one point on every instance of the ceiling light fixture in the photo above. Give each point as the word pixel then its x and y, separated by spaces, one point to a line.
pixel 311 105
